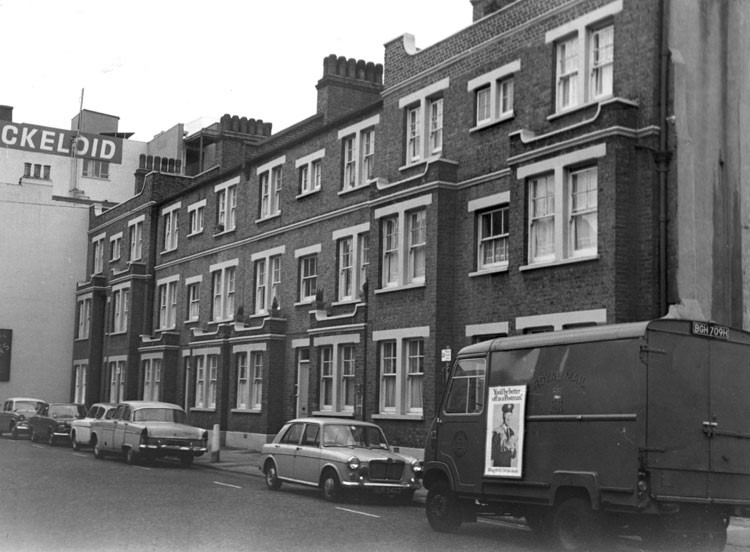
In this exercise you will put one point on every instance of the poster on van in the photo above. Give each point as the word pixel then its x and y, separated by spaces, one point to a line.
pixel 505 431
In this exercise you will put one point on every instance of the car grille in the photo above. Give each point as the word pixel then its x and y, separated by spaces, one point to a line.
pixel 176 443
pixel 386 470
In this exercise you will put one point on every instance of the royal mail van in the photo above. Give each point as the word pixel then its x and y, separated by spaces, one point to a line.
pixel 639 428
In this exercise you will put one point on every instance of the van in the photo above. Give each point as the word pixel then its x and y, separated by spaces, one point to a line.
pixel 639 428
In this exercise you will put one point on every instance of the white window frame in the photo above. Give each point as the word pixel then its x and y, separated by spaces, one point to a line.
pixel 94 168
pixel 226 205
pixel 421 131
pixel 167 302
pixel 117 378
pixel 97 243
pixel 152 376
pixel 223 290
pixel 558 170
pixel 196 217
pixel 335 344
pixel 80 377
pixel 398 254
pixel 270 177
pixel 249 362
pixel 309 168
pixel 84 316
pixel 171 226
pixel 193 297
pixel 357 236
pixel 302 256
pixel 397 340
pixel 120 306
pixel 493 85
pixel 573 43
pixel 270 261
pixel 135 238
pixel 482 207
pixel 358 151
pixel 115 247
pixel 206 378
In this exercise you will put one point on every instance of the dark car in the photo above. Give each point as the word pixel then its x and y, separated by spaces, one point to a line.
pixel 14 417
pixel 52 421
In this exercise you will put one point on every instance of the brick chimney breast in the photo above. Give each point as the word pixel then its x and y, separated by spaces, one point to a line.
pixel 347 85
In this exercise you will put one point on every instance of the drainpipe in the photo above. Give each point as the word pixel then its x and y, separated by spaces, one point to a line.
pixel 663 156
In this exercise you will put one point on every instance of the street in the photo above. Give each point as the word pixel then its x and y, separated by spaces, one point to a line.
pixel 57 499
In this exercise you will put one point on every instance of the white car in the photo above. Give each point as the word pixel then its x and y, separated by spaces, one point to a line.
pixel 80 430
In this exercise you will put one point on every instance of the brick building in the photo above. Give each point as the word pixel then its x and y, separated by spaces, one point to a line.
pixel 514 177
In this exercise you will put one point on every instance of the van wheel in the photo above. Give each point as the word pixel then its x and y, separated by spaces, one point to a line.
pixel 575 526
pixel 443 508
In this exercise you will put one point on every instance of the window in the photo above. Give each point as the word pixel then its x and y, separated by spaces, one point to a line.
pixel 466 393
pixel 363 245
pixel 117 381
pixel 562 206
pixel 346 268
pixel 358 153
pixel 493 94
pixel 270 177
pixel 115 247
pixel 310 170
pixel 256 389
pixel 267 278
pixel 584 57
pixel 493 238
pixel 167 303
pixel 120 300
pixel 423 112
pixel 84 318
pixel 79 386
pixel 223 290
pixel 250 380
pixel 347 372
pixel 226 205
pixel 98 246
pixel 243 383
pixel 206 377
pixel 404 252
pixel 96 169
pixel 402 368
pixel 40 172
pixel 193 297
pixel 170 227
pixel 308 277
pixel 326 378
pixel 135 229
pixel 195 217
pixel 151 379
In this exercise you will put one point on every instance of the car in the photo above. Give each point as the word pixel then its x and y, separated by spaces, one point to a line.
pixel 80 430
pixel 147 430
pixel 14 418
pixel 335 455
pixel 52 421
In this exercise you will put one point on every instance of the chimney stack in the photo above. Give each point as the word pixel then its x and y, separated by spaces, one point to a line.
pixel 348 85
pixel 6 113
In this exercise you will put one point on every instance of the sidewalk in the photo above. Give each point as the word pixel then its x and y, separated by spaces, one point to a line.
pixel 244 461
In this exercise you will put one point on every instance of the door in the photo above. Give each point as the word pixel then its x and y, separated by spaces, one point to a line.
pixel 460 424
pixel 730 420
pixel 303 376
pixel 307 459
pixel 121 427
pixel 677 441
pixel 285 450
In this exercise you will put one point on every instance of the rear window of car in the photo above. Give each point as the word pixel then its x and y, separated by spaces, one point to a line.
pixel 64 410
pixel 27 405
pixel 160 415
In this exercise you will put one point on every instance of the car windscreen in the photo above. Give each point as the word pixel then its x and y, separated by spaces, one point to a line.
pixel 25 406
pixel 160 415
pixel 351 435
pixel 64 411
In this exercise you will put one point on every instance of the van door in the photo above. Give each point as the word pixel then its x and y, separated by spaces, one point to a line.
pixel 730 419
pixel 677 443
pixel 460 425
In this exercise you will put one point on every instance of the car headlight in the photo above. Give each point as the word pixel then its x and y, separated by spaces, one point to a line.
pixel 353 463
pixel 416 465
pixel 21 417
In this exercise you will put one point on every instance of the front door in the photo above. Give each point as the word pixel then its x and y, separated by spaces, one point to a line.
pixel 303 375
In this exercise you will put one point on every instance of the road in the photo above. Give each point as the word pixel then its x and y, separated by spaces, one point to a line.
pixel 52 498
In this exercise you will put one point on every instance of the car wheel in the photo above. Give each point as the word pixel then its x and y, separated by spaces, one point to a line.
pixel 14 432
pixel 131 457
pixel 50 438
pixel 186 461
pixel 272 478
pixel 575 526
pixel 32 435
pixel 330 487
pixel 443 508
pixel 73 442
pixel 98 452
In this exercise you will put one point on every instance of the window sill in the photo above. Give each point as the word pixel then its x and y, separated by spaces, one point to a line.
pixel 114 260
pixel 305 302
pixel 121 332
pixel 269 217
pixel 418 162
pixel 224 232
pixel 165 251
pixel 246 411
pixel 351 301
pixel 404 287
pixel 192 321
pixel 334 414
pixel 357 188
pixel 585 105
pixel 193 234
pixel 405 417
pixel 488 124
pixel 202 409
pixel 307 194
pixel 559 262
pixel 489 271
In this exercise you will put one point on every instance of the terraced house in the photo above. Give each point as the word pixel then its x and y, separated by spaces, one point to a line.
pixel 519 176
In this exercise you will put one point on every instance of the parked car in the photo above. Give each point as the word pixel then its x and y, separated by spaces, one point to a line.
pixel 52 421
pixel 80 430
pixel 14 418
pixel 335 455
pixel 145 430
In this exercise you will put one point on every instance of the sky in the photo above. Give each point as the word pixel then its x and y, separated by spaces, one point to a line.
pixel 156 63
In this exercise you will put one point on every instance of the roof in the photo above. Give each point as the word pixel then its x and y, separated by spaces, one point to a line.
pixel 331 420
pixel 24 399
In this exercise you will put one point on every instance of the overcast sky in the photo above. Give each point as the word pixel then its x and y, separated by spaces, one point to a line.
pixel 156 63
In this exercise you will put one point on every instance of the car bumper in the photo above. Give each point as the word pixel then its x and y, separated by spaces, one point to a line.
pixel 172 450
pixel 22 427
pixel 394 486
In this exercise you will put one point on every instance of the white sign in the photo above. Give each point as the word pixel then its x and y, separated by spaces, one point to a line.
pixel 505 431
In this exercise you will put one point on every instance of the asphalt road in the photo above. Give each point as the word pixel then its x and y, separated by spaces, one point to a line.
pixel 52 498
